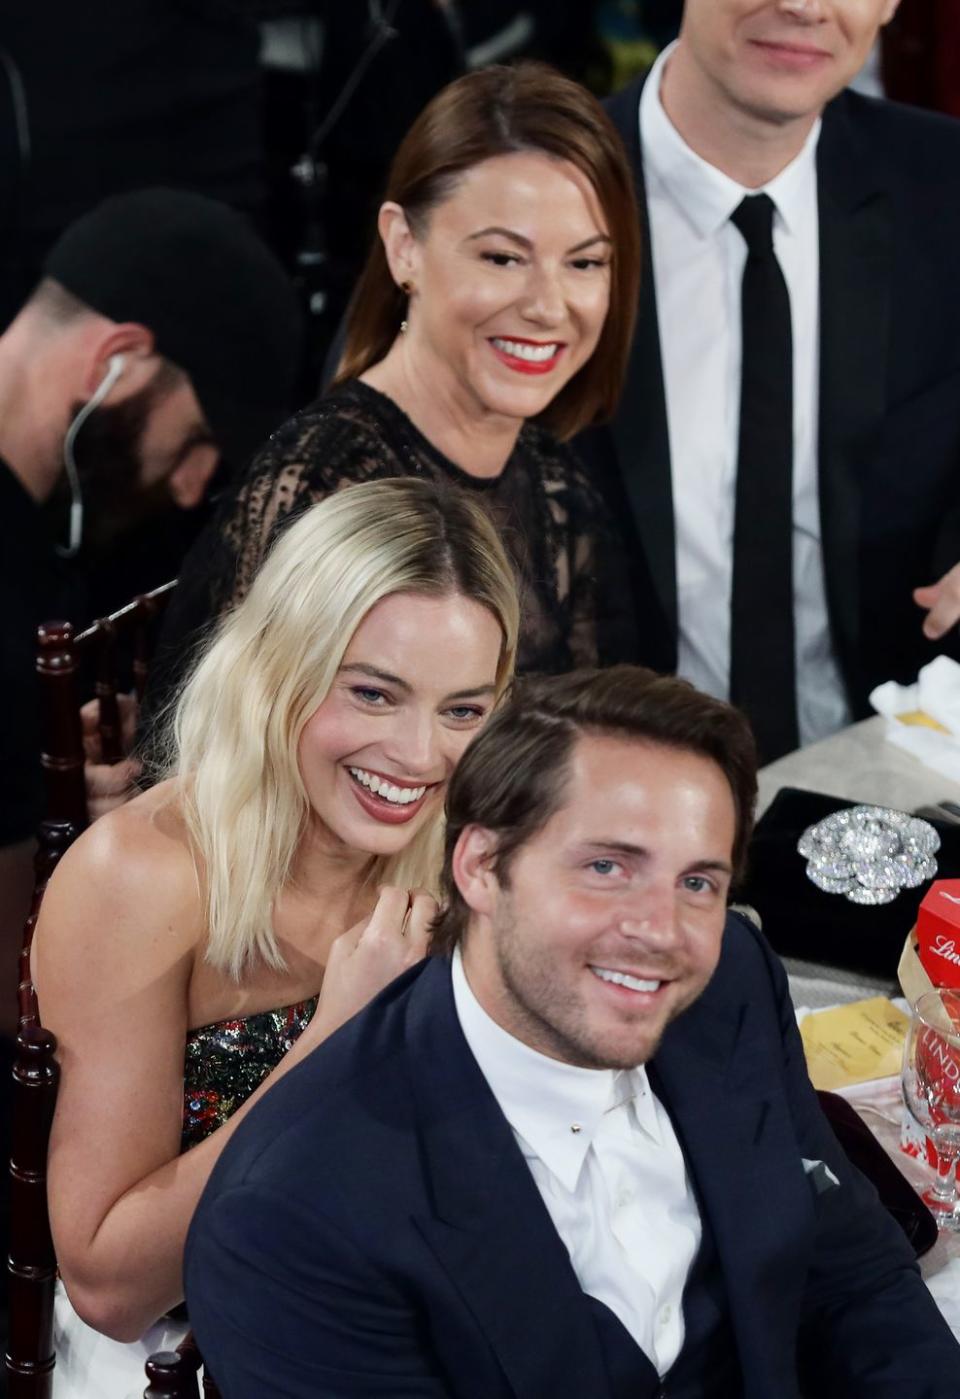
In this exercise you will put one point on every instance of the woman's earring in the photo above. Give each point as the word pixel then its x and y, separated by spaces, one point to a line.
pixel 406 288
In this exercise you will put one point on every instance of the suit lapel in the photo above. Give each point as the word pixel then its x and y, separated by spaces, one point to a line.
pixel 490 1230
pixel 493 1237
pixel 694 1072
pixel 735 1137
pixel 856 238
pixel 639 430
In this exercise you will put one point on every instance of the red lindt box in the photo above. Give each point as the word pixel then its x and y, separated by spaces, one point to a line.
pixel 938 932
pixel 935 945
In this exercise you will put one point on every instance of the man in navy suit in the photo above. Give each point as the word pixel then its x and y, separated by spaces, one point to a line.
pixel 575 1154
pixel 750 102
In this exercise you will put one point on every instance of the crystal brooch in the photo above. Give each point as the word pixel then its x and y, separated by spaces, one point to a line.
pixel 869 853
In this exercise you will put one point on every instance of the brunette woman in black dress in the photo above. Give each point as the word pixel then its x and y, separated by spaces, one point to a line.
pixel 491 323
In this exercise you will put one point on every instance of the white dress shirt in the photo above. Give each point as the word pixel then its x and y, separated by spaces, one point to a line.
pixel 698 261
pixel 606 1160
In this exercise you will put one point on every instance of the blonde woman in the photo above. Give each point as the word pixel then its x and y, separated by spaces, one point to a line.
pixel 283 865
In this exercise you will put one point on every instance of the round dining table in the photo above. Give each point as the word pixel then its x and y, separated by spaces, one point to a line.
pixel 859 764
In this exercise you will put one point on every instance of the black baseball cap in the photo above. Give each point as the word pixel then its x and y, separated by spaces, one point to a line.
pixel 219 304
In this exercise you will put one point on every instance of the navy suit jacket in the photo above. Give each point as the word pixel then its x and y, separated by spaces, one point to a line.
pixel 888 182
pixel 373 1230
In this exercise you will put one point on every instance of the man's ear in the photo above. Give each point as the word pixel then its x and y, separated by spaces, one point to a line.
pixel 188 482
pixel 130 339
pixel 473 871
pixel 399 244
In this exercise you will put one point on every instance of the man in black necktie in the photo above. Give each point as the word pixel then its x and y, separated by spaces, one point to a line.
pixel 575 1152
pixel 787 452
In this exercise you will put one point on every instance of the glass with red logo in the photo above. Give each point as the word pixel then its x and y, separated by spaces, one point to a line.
pixel 931 1090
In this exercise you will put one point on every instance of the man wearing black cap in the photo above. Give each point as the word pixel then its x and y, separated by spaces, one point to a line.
pixel 163 335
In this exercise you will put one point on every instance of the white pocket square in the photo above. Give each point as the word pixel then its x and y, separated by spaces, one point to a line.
pixel 820 1175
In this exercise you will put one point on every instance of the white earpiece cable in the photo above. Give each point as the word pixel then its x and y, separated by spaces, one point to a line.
pixel 114 370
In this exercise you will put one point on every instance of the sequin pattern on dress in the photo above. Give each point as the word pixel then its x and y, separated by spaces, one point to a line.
pixel 227 1061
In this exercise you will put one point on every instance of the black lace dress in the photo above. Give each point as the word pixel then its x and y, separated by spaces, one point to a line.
pixel 576 601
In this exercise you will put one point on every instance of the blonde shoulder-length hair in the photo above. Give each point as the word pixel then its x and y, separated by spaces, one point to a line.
pixel 236 727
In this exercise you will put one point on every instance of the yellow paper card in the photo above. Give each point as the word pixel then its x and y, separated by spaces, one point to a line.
pixel 854 1043
pixel 925 721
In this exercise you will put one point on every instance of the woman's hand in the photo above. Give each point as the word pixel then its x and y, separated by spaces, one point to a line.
pixel 368 956
pixel 109 785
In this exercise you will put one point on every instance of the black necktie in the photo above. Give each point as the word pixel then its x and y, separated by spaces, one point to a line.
pixel 762 665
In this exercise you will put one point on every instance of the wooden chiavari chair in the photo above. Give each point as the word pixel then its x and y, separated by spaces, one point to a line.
pixel 62 656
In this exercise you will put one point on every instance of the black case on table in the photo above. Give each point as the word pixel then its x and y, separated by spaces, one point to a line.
pixel 800 920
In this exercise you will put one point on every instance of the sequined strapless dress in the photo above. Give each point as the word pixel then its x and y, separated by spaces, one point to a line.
pixel 223 1064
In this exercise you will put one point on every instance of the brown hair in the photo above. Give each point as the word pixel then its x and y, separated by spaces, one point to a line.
pixel 512 778
pixel 498 111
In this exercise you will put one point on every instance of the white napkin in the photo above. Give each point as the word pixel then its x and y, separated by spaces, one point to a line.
pixel 937 693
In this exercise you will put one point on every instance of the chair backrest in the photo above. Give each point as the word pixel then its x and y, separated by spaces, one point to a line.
pixel 173 1374
pixel 31 1266
pixel 60 656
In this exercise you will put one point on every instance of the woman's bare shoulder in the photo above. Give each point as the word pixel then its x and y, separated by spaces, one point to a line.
pixel 145 837
pixel 132 867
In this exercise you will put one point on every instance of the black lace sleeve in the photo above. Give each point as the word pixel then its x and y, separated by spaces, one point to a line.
pixel 567 555
pixel 323 448
pixel 313 455
pixel 592 566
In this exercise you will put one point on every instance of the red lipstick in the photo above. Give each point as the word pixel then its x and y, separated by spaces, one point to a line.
pixel 387 812
pixel 526 366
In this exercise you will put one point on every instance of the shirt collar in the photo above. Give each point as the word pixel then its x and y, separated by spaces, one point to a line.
pixel 704 195
pixel 556 1108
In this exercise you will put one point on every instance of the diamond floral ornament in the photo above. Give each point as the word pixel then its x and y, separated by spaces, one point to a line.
pixel 869 854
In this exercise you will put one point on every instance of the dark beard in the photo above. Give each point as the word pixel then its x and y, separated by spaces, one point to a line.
pixel 107 453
